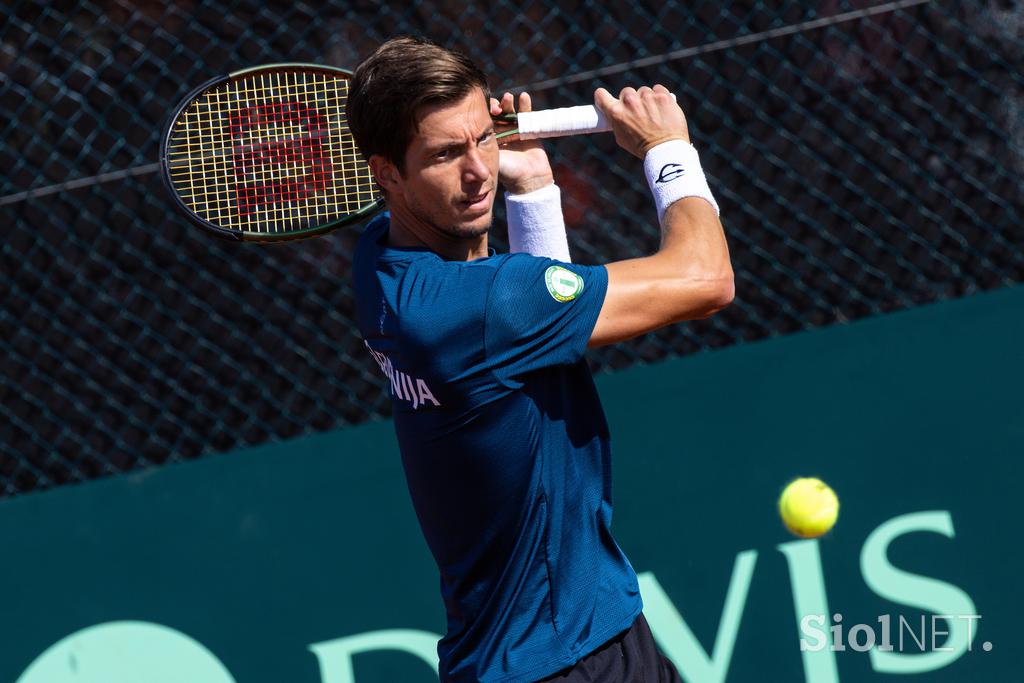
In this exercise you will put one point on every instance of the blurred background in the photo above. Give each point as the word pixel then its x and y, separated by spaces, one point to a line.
pixel 867 158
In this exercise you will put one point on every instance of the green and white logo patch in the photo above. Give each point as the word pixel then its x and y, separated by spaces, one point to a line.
pixel 563 284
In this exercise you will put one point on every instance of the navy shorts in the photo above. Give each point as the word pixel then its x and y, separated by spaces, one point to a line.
pixel 630 657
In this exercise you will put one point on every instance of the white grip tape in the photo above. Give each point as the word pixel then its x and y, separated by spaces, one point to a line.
pixel 554 123
pixel 673 173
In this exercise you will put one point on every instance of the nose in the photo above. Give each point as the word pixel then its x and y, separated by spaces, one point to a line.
pixel 476 169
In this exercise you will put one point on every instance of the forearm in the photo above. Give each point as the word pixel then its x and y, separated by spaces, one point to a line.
pixel 693 249
pixel 535 223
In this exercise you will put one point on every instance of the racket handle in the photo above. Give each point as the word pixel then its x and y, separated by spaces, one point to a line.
pixel 555 123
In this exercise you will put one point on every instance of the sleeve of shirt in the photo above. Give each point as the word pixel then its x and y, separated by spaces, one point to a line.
pixel 540 312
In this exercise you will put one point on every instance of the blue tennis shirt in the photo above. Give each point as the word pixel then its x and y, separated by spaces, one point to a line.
pixel 505 449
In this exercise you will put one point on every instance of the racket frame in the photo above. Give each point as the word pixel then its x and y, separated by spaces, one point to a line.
pixel 363 213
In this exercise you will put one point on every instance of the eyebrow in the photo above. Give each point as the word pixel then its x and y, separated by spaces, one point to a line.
pixel 452 143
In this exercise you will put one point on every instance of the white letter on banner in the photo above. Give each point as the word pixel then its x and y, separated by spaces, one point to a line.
pixel 928 594
pixel 679 642
pixel 126 652
pixel 807 581
pixel 335 656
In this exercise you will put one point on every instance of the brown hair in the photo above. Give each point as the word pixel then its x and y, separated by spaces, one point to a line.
pixel 402 75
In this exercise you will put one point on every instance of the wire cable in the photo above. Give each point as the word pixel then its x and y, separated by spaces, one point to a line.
pixel 548 84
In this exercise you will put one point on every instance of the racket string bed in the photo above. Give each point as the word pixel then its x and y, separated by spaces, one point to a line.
pixel 269 154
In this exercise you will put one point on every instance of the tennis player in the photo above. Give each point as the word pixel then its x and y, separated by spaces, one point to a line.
pixel 503 440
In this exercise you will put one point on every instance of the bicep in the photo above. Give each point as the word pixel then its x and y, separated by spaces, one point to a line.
pixel 648 293
pixel 690 277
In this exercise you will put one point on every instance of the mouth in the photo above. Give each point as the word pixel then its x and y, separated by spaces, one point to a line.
pixel 477 202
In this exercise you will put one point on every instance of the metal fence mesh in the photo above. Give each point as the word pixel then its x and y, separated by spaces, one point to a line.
pixel 867 158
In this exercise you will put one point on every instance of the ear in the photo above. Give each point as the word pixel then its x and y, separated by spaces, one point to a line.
pixel 385 173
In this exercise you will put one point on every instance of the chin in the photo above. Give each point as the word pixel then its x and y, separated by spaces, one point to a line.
pixel 472 228
pixel 468 231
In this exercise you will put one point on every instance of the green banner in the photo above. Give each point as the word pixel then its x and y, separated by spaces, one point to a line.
pixel 303 562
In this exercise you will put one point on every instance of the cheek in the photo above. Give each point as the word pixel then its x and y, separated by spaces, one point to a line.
pixel 432 190
pixel 425 184
pixel 494 154
pixel 435 177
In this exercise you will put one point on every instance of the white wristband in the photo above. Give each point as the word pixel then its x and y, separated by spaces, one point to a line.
pixel 673 172
pixel 535 223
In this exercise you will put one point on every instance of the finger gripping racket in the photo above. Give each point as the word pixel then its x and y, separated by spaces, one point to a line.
pixel 265 154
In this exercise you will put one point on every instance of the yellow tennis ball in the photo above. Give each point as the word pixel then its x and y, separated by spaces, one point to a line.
pixel 808 506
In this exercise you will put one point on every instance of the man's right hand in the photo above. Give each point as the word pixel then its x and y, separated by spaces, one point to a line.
pixel 644 118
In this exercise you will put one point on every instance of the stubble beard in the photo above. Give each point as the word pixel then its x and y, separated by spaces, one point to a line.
pixel 455 231
pixel 467 232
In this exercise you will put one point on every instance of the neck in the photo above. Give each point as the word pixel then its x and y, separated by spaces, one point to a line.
pixel 408 231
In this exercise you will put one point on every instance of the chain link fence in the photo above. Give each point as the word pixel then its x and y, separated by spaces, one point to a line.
pixel 867 157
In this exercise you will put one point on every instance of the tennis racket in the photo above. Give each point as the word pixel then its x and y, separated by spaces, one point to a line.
pixel 265 154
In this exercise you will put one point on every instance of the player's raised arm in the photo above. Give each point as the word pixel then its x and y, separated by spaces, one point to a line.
pixel 690 276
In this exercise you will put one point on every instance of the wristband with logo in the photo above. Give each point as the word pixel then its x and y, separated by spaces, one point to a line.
pixel 673 173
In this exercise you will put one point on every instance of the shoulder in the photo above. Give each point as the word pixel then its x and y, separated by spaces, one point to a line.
pixel 372 232
pixel 440 305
